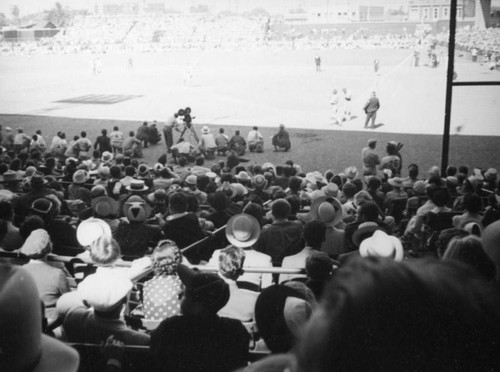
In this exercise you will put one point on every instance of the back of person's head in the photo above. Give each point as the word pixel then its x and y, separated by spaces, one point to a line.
pixel 199 161
pixel 280 312
pixel 279 170
pixel 105 250
pixel 463 170
pixel 231 260
pixel 115 171
pixel 473 203
pixel 104 132
pixel 131 133
pixel 413 170
pixel 374 183
pixel 30 223
pixel 349 190
pixel 358 183
pixel 115 128
pixel 221 130
pixel 436 314
pixel 451 171
pixel 368 211
pixel 177 202
pixel 129 171
pixel 440 197
pixel 436 180
pixel 288 170
pixel 469 250
pixel 445 237
pixel 295 184
pixel 83 134
pixel 294 202
pixel 281 209
pixel 255 210
pixel 166 257
pixel 314 234
pixel 237 132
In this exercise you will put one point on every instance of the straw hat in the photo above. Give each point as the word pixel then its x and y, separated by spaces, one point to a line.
pixel 242 230
pixel 105 206
pixel 327 210
pixel 137 185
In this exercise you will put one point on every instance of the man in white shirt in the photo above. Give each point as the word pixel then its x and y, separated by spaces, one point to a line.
pixel 183 149
pixel 255 140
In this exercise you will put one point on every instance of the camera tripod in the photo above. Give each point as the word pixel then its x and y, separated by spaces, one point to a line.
pixel 192 132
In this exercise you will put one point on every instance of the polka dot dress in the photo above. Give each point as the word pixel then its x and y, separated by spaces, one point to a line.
pixel 161 297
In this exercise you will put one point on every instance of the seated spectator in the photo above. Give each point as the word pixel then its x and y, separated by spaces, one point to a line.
pixel 314 236
pixel 282 237
pixel 143 134
pixel 62 233
pixel 184 228
pixel 367 222
pixel 207 143
pixel 242 231
pixel 134 235
pixel 103 142
pixel 473 205
pixel 24 347
pixel 237 144
pixel 375 306
pixel 319 269
pixel 183 149
pixel 153 133
pixel 77 190
pixel 281 139
pixel 132 146
pixel 492 212
pixel 10 239
pixel 330 212
pixel 38 189
pixel 241 302
pixel 221 344
pixel 116 140
pixel 469 250
pixel 84 146
pixel 222 142
pixel 161 295
pixel 280 314
pixel 50 280
pixel 255 140
pixel 92 313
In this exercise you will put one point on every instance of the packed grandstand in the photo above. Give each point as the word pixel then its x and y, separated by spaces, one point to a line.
pixel 99 34
pixel 126 252
pixel 205 261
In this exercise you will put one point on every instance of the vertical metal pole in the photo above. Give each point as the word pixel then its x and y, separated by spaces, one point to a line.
pixel 449 87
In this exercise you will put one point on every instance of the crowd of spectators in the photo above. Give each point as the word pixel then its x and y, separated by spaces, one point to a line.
pixel 377 260
pixel 145 34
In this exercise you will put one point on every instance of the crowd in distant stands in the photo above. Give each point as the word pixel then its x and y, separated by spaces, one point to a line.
pixel 136 34
pixel 202 262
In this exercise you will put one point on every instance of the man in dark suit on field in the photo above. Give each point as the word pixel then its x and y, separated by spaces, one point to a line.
pixel 371 109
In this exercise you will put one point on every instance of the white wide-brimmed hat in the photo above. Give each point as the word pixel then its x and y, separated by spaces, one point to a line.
pixel 382 245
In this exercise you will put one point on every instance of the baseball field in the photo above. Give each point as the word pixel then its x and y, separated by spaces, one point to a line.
pixel 238 89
